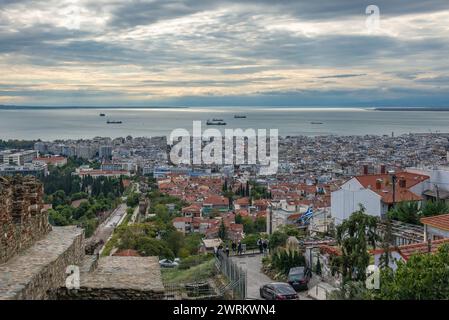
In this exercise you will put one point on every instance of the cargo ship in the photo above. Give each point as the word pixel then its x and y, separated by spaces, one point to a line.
pixel 215 123
pixel 237 116
pixel 113 122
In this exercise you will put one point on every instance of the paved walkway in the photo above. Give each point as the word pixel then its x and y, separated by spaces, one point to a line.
pixel 255 278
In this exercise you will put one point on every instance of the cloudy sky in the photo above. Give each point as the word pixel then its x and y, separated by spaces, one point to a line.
pixel 227 52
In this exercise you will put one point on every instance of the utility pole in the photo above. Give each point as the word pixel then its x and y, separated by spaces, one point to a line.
pixel 437 192
pixel 393 179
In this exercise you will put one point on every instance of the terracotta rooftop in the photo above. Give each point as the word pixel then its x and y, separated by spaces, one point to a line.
pixel 406 251
pixel 382 185
pixel 216 200
pixel 440 221
pixel 242 201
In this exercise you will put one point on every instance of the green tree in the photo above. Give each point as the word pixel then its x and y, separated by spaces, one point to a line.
pixel 57 219
pixel 238 219
pixel 277 239
pixel 175 241
pixel 222 232
pixel 260 225
pixel 434 208
pixel 248 225
pixel 59 198
pixel 406 211
pixel 353 236
pixel 318 270
pixel 283 260
pixel 424 277
pixel 161 212
pixel 387 241
pixel 132 200
pixel 251 240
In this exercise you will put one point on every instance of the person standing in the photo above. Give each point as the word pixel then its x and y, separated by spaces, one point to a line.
pixel 227 250
pixel 239 248
pixel 265 246
pixel 233 246
pixel 259 244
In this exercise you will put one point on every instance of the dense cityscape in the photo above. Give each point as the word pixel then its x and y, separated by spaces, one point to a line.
pixel 223 158
pixel 190 224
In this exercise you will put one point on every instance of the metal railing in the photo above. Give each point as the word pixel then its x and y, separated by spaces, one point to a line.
pixel 190 291
pixel 236 276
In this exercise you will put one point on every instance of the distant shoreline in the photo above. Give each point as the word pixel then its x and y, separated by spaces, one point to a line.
pixel 13 107
pixel 413 109
pixel 2 107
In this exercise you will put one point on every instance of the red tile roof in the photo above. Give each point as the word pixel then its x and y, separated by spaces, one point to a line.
pixel 406 251
pixel 382 185
pixel 216 200
pixel 51 160
pixel 440 221
pixel 182 219
pixel 192 208
pixel 242 201
pixel 331 250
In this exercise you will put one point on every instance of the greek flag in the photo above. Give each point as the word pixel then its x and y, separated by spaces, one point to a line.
pixel 308 213
pixel 306 216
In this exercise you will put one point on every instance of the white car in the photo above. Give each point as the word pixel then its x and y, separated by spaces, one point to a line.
pixel 167 263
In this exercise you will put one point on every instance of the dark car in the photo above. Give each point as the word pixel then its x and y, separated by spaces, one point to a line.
pixel 299 277
pixel 278 291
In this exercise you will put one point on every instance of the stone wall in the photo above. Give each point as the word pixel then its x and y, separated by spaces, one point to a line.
pixel 118 278
pixel 40 269
pixel 106 294
pixel 23 220
pixel 53 275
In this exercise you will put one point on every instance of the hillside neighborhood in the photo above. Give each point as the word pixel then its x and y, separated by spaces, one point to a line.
pixel 316 225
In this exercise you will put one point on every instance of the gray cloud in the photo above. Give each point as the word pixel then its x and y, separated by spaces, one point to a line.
pixel 232 50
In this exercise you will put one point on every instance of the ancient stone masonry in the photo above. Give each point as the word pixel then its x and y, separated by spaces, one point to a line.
pixel 34 257
pixel 23 220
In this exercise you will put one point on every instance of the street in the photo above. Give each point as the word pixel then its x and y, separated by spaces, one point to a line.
pixel 105 230
pixel 255 277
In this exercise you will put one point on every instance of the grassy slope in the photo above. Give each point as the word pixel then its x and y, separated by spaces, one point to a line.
pixel 198 273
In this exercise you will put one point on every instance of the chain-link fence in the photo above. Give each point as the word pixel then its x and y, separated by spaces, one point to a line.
pixel 236 276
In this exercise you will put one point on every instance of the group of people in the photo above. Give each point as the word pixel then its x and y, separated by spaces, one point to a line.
pixel 234 246
pixel 263 245
pixel 238 248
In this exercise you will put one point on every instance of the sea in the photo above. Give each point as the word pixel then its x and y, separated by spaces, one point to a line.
pixel 84 123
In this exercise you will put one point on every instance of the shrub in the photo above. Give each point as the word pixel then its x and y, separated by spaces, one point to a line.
pixel 283 260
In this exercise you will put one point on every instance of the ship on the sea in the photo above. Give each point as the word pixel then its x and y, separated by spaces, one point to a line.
pixel 102 115
pixel 239 116
pixel 113 122
pixel 215 123
pixel 219 120
pixel 313 122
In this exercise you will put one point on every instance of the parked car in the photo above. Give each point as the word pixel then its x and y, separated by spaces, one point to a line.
pixel 278 291
pixel 299 277
pixel 167 263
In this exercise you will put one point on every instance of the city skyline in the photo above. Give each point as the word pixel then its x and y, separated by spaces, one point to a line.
pixel 223 53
